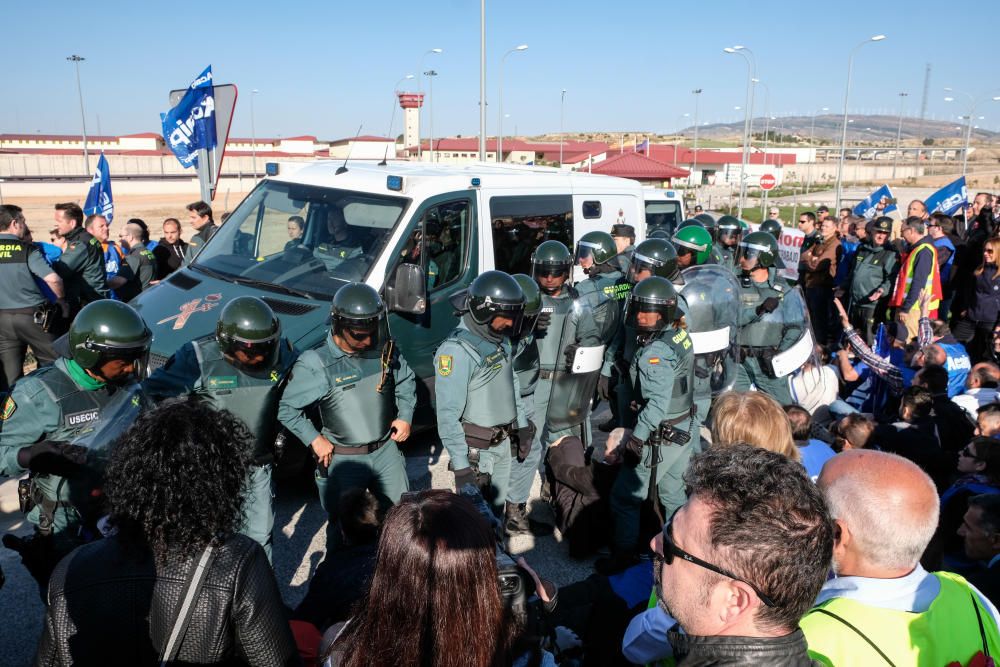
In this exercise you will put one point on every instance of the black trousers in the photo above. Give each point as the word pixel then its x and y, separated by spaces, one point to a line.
pixel 18 331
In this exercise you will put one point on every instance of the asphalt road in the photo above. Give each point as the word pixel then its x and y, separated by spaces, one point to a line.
pixel 299 545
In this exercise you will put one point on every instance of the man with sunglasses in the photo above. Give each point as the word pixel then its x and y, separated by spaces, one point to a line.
pixel 243 369
pixel 50 408
pixel 737 566
pixel 364 393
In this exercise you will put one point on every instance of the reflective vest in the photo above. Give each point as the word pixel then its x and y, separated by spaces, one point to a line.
pixel 947 632
pixel 905 278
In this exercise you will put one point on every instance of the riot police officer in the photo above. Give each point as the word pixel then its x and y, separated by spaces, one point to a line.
pixel 605 288
pixel 81 265
pixel 709 223
pixel 762 335
pixel 48 409
pixel 242 369
pixel 870 282
pixel 729 232
pixel 658 449
pixel 772 227
pixel 365 394
pixel 694 246
pixel 478 397
pixel 23 307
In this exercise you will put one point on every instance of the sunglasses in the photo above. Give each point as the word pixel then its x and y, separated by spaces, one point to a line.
pixel 967 452
pixel 671 551
pixel 360 334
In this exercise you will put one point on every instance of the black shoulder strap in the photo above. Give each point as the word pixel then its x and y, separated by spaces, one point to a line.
pixel 982 629
pixel 859 633
pixel 185 605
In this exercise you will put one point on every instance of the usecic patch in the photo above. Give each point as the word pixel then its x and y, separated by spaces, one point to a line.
pixel 9 408
pixel 444 365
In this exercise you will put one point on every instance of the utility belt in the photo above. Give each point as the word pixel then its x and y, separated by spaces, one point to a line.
pixel 763 355
pixel 367 448
pixel 29 496
pixel 485 437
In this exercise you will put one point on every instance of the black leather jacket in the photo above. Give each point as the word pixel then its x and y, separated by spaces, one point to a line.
pixel 694 651
pixel 106 608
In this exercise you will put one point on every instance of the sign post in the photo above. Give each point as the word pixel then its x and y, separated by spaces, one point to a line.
pixel 767 183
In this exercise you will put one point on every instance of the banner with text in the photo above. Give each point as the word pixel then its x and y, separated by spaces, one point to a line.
pixel 880 202
pixel 789 247
pixel 99 200
pixel 949 199
pixel 190 125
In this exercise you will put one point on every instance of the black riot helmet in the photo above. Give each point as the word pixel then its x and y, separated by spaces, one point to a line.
pixel 357 315
pixel 657 256
pixel 761 247
pixel 247 324
pixel 493 294
pixel 598 245
pixel 772 227
pixel 551 258
pixel 708 222
pixel 532 302
pixel 652 295
pixel 729 230
pixel 106 331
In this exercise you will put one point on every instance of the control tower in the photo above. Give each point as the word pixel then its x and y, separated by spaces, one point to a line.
pixel 411 103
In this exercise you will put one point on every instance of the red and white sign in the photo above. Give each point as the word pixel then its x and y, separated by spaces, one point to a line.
pixel 768 181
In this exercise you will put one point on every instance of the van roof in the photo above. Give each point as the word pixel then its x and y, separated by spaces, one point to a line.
pixel 421 179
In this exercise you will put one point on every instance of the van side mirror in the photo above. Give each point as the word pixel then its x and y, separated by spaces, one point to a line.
pixel 406 291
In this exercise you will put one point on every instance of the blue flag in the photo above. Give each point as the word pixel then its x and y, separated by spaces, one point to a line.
pixel 99 200
pixel 190 126
pixel 948 199
pixel 867 208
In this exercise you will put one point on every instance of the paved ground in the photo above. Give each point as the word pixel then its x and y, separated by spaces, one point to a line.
pixel 299 545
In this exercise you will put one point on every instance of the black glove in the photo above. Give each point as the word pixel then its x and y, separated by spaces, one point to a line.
pixel 520 441
pixel 465 476
pixel 56 458
pixel 571 355
pixel 604 387
pixel 632 450
pixel 769 306
pixel 543 321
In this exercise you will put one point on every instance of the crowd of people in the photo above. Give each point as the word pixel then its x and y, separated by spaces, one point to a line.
pixel 793 474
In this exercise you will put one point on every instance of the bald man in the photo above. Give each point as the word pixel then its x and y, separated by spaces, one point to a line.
pixel 980 388
pixel 883 607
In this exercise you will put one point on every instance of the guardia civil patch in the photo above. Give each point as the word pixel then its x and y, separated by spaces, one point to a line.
pixel 9 408
pixel 444 365
pixel 222 382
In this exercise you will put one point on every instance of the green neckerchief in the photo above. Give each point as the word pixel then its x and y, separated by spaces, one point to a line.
pixel 80 376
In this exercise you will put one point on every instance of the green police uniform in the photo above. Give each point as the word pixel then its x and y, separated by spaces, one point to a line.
pixel 81 266
pixel 874 269
pixel 333 255
pixel 200 367
pixel 198 240
pixel 21 264
pixel 476 387
pixel 762 337
pixel 143 267
pixel 726 256
pixel 354 416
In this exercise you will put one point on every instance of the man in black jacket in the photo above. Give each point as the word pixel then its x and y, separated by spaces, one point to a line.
pixel 169 252
pixel 980 531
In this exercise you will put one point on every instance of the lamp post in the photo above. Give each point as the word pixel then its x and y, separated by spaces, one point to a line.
pixel 694 167
pixel 392 118
pixel 430 108
pixel 253 135
pixel 899 134
pixel 747 123
pixel 482 80
pixel 76 60
pixel 973 102
pixel 420 89
pixel 847 94
pixel 522 47
pixel 767 114
pixel 562 108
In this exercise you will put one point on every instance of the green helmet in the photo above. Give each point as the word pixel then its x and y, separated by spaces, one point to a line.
pixel 656 256
pixel 108 330
pixel 551 258
pixel 708 222
pixel 772 227
pixel 357 312
pixel 729 229
pixel 495 293
pixel 532 302
pixel 249 325
pixel 760 246
pixel 652 295
pixel 693 240
pixel 599 245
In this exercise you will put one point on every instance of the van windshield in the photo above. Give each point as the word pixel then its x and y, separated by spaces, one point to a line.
pixel 302 239
pixel 662 215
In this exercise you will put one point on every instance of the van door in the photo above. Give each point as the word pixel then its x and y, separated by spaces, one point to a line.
pixel 519 223
pixel 442 240
pixel 599 212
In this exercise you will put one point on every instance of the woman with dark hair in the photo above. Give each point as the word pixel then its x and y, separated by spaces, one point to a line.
pixel 175 489
pixel 434 597
pixel 981 317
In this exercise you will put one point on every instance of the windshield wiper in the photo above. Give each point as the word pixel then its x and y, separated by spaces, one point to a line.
pixel 252 282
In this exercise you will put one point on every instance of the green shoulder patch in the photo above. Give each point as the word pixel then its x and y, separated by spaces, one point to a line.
pixel 9 408
pixel 445 365
pixel 222 382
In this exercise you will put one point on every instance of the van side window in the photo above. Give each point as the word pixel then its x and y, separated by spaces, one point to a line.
pixel 520 224
pixel 662 215
pixel 440 243
pixel 591 210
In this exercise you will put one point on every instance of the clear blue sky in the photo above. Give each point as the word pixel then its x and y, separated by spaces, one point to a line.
pixel 323 68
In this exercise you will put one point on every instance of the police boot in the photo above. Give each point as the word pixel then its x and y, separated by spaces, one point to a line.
pixel 516 519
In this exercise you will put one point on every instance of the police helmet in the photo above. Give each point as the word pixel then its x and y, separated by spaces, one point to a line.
pixel 694 240
pixel 652 295
pixel 358 312
pixel 109 330
pixel 759 246
pixel 551 258
pixel 495 293
pixel 772 227
pixel 249 325
pixel 729 228
pixel 532 302
pixel 598 245
pixel 708 222
pixel 656 256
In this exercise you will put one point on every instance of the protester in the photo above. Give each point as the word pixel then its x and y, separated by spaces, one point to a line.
pixel 980 388
pixel 950 354
pixel 980 533
pixel 988 420
pixel 813 452
pixel 981 316
pixel 815 386
pixel 954 426
pixel 914 436
pixel 820 263
pixel 918 274
pixel 940 228
pixel 170 250
pixel 754 418
pixel 852 432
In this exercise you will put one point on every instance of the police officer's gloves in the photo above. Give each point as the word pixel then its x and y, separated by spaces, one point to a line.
pixel 464 476
pixel 604 387
pixel 543 321
pixel 571 355
pixel 520 441
pixel 632 450
pixel 769 305
pixel 56 458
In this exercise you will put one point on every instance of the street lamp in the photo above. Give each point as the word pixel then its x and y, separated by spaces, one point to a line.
pixel 694 167
pixel 522 47
pixel 747 121
pixel 767 113
pixel 430 109
pixel 562 108
pixel 420 89
pixel 76 60
pixel 899 133
pixel 392 118
pixel 847 94
pixel 968 131
pixel 253 135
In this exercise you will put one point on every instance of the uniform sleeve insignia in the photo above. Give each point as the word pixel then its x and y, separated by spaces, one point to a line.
pixel 445 365
pixel 654 360
pixel 9 408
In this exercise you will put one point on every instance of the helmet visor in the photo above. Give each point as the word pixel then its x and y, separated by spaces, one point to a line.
pixel 132 353
pixel 369 333
pixel 729 233
pixel 256 353
pixel 585 250
pixel 647 315
pixel 642 264
pixel 752 252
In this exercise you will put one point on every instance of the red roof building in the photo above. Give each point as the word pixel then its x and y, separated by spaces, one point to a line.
pixel 638 167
